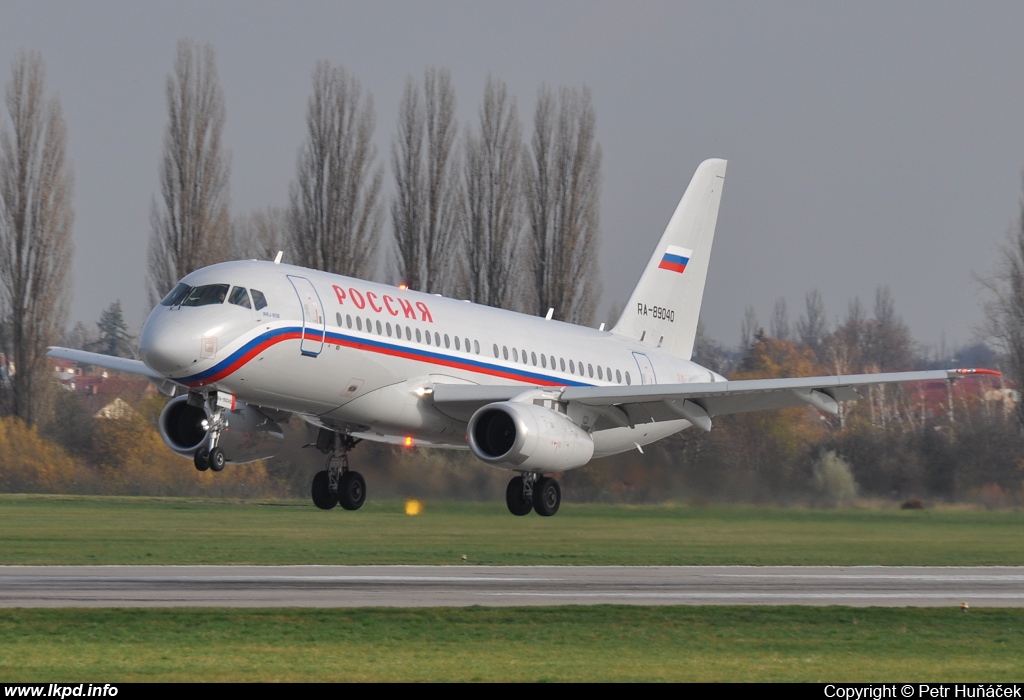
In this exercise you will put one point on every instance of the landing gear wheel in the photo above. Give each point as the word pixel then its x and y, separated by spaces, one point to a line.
pixel 351 490
pixel 201 459
pixel 322 496
pixel 217 459
pixel 517 503
pixel 547 496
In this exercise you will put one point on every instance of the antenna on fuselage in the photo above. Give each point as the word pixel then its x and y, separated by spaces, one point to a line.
pixel 277 260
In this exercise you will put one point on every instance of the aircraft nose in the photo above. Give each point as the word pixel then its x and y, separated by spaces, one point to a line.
pixel 165 344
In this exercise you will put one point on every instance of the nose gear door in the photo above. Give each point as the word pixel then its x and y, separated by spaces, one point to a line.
pixel 313 324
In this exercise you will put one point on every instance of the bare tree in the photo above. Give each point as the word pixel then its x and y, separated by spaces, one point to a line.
pixel 750 328
pixel 495 216
pixel 1004 311
pixel 336 211
pixel 888 344
pixel 812 328
pixel 780 329
pixel 35 228
pixel 191 224
pixel 260 235
pixel 563 194
pixel 426 208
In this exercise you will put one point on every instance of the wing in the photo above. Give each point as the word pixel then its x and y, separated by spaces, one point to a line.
pixel 118 364
pixel 698 403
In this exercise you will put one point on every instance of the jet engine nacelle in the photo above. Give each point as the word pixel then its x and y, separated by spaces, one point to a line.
pixel 248 434
pixel 527 437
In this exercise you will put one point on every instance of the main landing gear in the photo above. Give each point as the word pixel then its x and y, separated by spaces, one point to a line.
pixel 208 455
pixel 533 492
pixel 336 484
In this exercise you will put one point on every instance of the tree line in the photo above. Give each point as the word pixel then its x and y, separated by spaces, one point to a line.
pixel 476 212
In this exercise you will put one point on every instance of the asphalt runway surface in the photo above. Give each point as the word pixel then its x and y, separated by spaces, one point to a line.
pixel 429 586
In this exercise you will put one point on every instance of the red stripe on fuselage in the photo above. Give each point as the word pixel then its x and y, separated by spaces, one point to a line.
pixel 393 352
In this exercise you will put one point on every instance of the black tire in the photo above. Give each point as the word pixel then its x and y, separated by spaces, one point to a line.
pixel 201 459
pixel 351 490
pixel 547 496
pixel 217 459
pixel 322 496
pixel 517 505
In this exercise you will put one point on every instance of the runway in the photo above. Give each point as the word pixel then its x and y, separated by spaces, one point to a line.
pixel 431 586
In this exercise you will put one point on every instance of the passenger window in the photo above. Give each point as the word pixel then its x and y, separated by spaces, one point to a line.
pixel 419 336
pixel 240 297
pixel 380 331
pixel 348 320
pixel 599 373
pixel 408 333
pixel 359 323
pixel 618 377
pixel 466 340
pixel 457 343
pixel 427 334
pixel 495 350
pixel 504 351
pixel 561 363
pixel 476 348
pixel 607 373
pixel 515 355
pixel 524 357
pixel 572 367
pixel 258 300
pixel 206 295
pixel 337 317
pixel 590 370
pixel 552 362
pixel 437 339
pixel 388 327
pixel 533 358
pixel 627 379
pixel 543 361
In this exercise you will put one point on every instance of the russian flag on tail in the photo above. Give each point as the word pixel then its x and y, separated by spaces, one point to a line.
pixel 675 259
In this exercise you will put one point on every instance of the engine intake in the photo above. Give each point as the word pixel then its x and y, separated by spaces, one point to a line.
pixel 527 437
pixel 249 434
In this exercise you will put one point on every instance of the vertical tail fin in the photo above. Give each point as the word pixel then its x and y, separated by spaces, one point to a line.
pixel 664 307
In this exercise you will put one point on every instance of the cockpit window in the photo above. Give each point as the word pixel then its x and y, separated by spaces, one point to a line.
pixel 258 299
pixel 239 297
pixel 176 295
pixel 207 294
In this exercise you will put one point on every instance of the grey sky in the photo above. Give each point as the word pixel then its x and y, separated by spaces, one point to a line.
pixel 868 143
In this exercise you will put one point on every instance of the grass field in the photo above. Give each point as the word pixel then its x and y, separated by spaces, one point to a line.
pixel 99 530
pixel 597 643
pixel 602 643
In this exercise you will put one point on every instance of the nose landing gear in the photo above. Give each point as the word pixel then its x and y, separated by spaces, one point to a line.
pixel 208 455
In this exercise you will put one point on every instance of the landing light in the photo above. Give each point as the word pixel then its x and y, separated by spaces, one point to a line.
pixel 407 442
pixel 413 507
pixel 205 424
pixel 423 391
pixel 403 286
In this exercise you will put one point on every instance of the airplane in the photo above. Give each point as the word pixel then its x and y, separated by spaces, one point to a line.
pixel 240 346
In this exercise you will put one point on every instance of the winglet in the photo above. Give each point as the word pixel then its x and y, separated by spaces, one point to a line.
pixel 954 373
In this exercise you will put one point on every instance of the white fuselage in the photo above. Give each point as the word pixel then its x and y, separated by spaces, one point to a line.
pixel 361 357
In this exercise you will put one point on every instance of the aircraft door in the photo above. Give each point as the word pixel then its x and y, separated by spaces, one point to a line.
pixel 313 323
pixel 643 363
